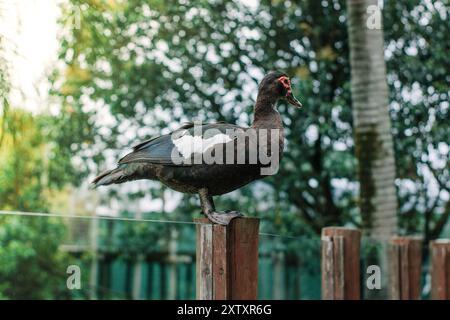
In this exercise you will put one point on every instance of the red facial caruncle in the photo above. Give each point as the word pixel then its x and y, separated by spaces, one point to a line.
pixel 286 83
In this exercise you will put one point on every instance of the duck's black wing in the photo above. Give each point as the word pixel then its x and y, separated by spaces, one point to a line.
pixel 175 148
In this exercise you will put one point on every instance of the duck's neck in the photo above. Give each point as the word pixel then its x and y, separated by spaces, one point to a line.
pixel 265 113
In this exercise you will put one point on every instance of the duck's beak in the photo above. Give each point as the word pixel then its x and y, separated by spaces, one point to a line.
pixel 293 100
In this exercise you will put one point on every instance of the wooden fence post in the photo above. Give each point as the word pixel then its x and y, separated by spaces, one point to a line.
pixel 405 261
pixel 440 269
pixel 227 259
pixel 340 264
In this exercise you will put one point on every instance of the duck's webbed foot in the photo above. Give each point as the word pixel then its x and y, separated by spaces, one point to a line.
pixel 222 218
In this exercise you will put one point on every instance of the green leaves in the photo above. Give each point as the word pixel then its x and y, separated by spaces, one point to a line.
pixel 31 266
pixel 147 66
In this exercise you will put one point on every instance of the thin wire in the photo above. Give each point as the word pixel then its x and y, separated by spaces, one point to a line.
pixel 43 214
pixel 281 236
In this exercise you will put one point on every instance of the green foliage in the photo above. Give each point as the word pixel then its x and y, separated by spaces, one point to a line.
pixel 20 184
pixel 418 62
pixel 199 60
pixel 31 266
pixel 134 69
pixel 149 65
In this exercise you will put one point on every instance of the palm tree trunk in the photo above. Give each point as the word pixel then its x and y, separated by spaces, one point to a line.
pixel 372 127
pixel 372 130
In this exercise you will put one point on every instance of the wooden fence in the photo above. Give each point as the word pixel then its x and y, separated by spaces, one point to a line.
pixel 405 261
pixel 227 263
pixel 440 269
pixel 230 263
pixel 340 264
pixel 167 269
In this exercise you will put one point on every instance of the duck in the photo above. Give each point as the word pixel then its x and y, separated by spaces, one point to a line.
pixel 215 158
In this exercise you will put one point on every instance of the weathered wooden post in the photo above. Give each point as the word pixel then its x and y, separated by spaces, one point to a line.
pixel 440 269
pixel 340 264
pixel 405 261
pixel 227 259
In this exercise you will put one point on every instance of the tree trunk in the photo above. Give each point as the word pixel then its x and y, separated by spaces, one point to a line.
pixel 372 127
pixel 372 130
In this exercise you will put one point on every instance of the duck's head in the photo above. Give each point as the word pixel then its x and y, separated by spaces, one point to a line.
pixel 278 85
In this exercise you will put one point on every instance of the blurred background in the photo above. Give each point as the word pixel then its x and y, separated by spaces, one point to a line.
pixel 83 81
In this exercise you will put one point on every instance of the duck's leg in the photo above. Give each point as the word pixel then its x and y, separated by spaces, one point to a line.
pixel 209 210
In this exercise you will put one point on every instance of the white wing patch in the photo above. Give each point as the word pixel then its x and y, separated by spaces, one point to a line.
pixel 187 145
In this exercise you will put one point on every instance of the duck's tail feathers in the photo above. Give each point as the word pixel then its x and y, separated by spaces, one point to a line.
pixel 109 177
